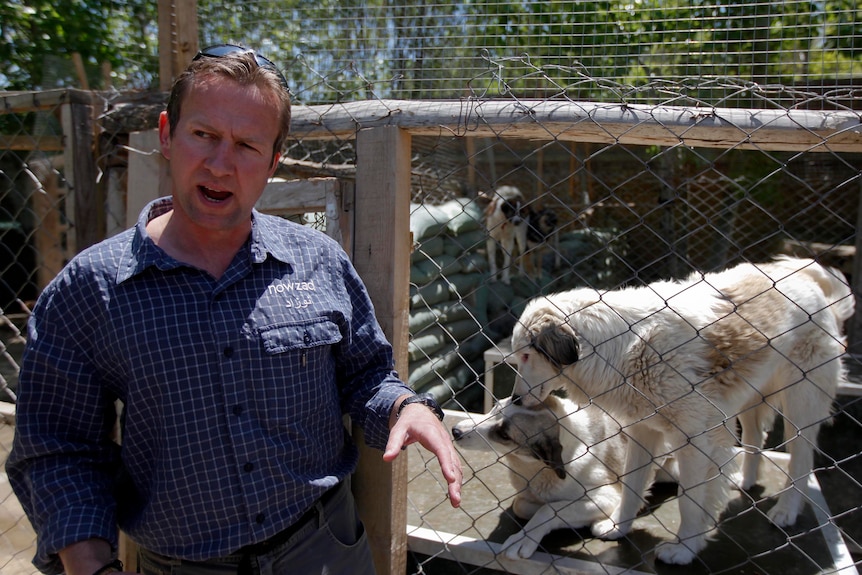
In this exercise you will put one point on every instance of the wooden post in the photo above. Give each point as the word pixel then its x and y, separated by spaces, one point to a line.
pixel 382 257
pixel 178 38
pixel 87 206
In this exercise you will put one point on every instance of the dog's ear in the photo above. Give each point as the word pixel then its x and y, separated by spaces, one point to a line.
pixel 558 344
pixel 549 450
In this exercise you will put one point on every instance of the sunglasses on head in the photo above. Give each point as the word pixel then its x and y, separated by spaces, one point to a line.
pixel 221 50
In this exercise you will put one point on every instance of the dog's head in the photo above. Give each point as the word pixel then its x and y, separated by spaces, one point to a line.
pixel 545 343
pixel 515 431
pixel 543 223
pixel 506 205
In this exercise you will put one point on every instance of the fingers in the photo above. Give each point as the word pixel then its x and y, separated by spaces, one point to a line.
pixel 435 438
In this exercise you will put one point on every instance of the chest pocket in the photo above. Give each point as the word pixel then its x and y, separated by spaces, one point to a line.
pixel 282 338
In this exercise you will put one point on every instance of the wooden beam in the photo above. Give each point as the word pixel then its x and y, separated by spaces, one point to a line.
pixel 382 257
pixel 32 142
pixel 20 102
pixel 597 123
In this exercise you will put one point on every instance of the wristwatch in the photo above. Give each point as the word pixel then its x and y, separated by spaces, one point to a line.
pixel 425 399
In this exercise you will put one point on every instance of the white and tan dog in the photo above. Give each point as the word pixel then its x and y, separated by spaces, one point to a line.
pixel 506 219
pixel 676 362
pixel 565 464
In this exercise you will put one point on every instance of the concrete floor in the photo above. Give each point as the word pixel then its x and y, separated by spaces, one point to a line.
pixel 746 542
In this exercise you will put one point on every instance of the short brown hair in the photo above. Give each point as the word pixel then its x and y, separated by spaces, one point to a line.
pixel 243 69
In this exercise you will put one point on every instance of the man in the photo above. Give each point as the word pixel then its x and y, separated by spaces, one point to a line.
pixel 236 341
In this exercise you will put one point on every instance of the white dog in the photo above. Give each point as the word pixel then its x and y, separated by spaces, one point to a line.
pixel 565 464
pixel 676 362
pixel 506 218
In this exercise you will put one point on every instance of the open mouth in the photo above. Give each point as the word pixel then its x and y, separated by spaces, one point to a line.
pixel 214 195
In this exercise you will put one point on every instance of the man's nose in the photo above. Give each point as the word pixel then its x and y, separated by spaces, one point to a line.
pixel 221 159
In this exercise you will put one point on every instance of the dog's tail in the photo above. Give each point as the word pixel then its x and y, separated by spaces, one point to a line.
pixel 831 281
pixel 838 294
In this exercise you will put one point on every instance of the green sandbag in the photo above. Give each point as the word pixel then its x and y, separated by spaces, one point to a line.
pixel 446 312
pixel 465 215
pixel 427 221
pixel 469 242
pixel 426 271
pixel 428 248
pixel 425 344
pixel 429 294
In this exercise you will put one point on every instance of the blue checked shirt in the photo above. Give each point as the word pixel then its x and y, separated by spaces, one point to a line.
pixel 234 392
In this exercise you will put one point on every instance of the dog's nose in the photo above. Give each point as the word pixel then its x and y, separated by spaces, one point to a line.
pixel 457 433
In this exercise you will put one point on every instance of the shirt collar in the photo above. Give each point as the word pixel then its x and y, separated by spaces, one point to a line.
pixel 141 252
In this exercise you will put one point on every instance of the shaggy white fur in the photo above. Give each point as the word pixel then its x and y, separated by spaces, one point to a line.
pixel 677 362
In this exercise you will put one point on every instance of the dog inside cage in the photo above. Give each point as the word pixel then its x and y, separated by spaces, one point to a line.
pixel 655 380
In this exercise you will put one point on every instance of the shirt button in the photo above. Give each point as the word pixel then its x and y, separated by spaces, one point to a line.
pixel 260 518
pixel 228 351
pixel 306 338
pixel 248 467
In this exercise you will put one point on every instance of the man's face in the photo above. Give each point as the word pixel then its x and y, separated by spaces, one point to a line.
pixel 221 153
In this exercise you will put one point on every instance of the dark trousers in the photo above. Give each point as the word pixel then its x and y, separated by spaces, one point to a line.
pixel 329 540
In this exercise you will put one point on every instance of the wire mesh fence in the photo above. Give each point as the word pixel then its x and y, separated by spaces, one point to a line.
pixel 339 51
pixel 613 194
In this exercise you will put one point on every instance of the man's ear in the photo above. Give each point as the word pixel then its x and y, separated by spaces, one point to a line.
pixel 165 135
pixel 275 158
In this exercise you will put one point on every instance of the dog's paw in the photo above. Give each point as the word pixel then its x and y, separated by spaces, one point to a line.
pixel 675 553
pixel 785 512
pixel 738 480
pixel 744 482
pixel 608 529
pixel 520 546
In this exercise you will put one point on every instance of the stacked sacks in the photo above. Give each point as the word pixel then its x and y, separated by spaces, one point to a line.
pixel 447 297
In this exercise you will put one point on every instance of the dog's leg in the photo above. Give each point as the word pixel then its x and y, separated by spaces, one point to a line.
pixel 703 495
pixel 491 248
pixel 508 246
pixel 643 443
pixel 805 407
pixel 521 245
pixel 753 436
pixel 561 515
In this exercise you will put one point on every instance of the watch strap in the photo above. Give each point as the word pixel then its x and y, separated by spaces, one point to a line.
pixel 425 399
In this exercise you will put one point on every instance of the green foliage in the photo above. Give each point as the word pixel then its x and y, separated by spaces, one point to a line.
pixel 348 49
pixel 40 36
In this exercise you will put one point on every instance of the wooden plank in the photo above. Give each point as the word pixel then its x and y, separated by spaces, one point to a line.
pixel 286 197
pixel 329 196
pixel 598 123
pixel 381 256
pixel 32 142
pixel 20 102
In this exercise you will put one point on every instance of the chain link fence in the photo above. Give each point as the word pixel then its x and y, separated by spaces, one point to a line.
pixel 629 193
